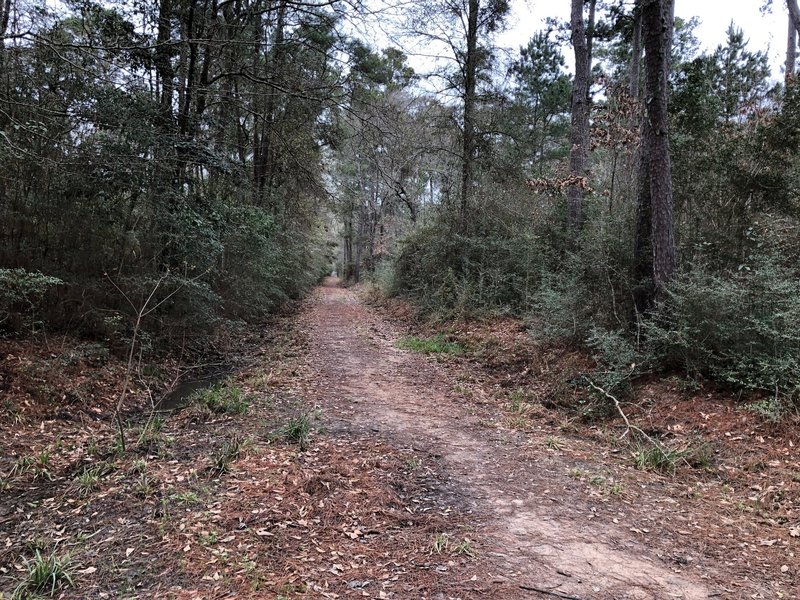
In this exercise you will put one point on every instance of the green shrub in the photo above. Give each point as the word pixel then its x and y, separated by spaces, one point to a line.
pixel 617 358
pixel 770 409
pixel 560 308
pixel 740 328
pixel 265 264
pixel 480 272
pixel 21 292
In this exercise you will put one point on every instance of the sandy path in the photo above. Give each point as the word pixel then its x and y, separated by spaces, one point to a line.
pixel 534 532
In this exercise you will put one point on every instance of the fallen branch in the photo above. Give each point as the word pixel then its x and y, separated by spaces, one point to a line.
pixel 629 426
pixel 530 588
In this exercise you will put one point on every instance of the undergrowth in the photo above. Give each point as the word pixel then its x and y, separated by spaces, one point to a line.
pixel 222 398
pixel 437 344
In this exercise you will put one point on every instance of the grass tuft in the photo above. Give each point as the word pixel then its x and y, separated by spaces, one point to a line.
pixel 45 574
pixel 657 458
pixel 222 398
pixel 228 452
pixel 297 430
pixel 86 482
pixel 435 345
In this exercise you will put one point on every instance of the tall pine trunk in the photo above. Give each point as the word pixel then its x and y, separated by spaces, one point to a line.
pixel 791 50
pixel 657 26
pixel 579 132
pixel 469 141
pixel 794 13
pixel 635 73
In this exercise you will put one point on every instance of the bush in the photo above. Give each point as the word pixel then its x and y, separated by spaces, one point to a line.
pixel 485 272
pixel 618 360
pixel 740 328
pixel 265 265
pixel 561 307
pixel 21 292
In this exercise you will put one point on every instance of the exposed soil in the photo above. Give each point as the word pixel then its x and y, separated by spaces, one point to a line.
pixel 546 517
pixel 422 478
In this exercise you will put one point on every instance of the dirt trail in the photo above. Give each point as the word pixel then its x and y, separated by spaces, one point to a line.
pixel 533 533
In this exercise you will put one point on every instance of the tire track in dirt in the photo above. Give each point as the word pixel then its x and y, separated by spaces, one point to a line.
pixel 530 534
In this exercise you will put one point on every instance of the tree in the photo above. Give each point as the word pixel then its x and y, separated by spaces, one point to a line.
pixel 794 13
pixel 656 233
pixel 384 136
pixel 740 78
pixel 579 134
pixel 464 27
pixel 791 50
pixel 541 97
pixel 133 140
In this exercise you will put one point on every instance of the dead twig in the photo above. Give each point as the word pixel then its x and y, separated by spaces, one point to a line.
pixel 530 588
pixel 628 425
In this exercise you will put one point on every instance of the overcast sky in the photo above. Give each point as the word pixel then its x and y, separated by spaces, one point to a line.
pixel 765 32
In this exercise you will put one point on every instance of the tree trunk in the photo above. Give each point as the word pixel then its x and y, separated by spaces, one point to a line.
pixel 347 259
pixel 362 218
pixel 636 53
pixel 5 16
pixel 643 248
pixel 469 138
pixel 191 70
pixel 579 133
pixel 791 50
pixel 163 62
pixel 263 163
pixel 794 13
pixel 657 24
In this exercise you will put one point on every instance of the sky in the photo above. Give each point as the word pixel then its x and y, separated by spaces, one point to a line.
pixel 765 31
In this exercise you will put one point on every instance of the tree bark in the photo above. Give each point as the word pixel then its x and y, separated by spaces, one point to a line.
pixel 5 16
pixel 643 244
pixel 636 53
pixel 579 132
pixel 163 61
pixel 470 86
pixel 184 116
pixel 657 24
pixel 791 50
pixel 264 156
pixel 794 13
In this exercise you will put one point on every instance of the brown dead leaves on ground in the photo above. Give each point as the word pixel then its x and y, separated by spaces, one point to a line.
pixel 734 498
pixel 214 505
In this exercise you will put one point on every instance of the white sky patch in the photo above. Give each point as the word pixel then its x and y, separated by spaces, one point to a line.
pixel 764 31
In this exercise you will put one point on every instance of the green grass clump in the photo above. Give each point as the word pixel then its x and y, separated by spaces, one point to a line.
pixel 435 345
pixel 45 574
pixel 298 429
pixel 657 458
pixel 86 482
pixel 221 460
pixel 222 399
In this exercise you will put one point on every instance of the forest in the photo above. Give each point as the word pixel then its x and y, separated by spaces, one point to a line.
pixel 595 235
